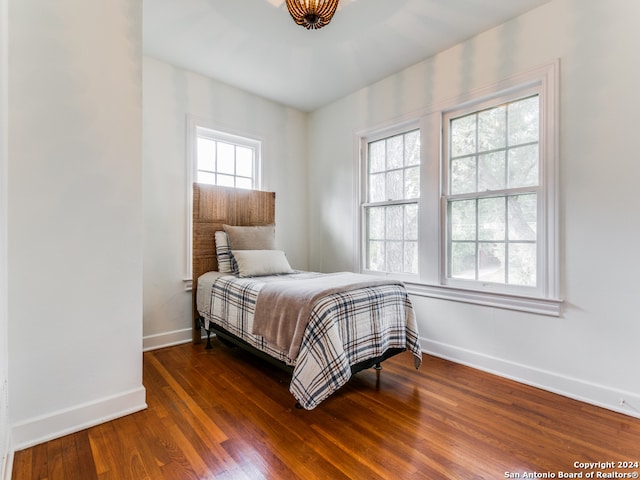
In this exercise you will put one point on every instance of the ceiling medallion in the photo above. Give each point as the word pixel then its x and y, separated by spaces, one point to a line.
pixel 312 14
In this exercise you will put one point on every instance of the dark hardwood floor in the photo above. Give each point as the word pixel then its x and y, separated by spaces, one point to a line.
pixel 224 414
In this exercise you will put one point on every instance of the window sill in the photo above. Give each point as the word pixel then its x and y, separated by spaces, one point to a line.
pixel 540 306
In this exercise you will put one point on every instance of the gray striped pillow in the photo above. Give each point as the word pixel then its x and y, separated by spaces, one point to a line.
pixel 226 262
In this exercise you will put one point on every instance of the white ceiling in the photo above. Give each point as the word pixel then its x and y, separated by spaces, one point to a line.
pixel 255 45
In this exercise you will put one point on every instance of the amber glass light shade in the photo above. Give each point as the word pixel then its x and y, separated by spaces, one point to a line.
pixel 312 14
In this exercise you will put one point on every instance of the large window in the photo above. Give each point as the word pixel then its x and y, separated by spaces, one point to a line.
pixel 460 202
pixel 227 160
pixel 492 182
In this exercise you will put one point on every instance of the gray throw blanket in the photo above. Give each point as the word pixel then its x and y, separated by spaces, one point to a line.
pixel 283 307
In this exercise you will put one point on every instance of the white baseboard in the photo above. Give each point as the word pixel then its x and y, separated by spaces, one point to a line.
pixel 603 396
pixel 48 427
pixel 166 339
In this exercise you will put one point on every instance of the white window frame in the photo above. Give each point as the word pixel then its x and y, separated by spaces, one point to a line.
pixel 364 204
pixel 230 139
pixel 196 125
pixel 432 281
pixel 538 190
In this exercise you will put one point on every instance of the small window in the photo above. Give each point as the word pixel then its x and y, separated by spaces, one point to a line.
pixel 226 160
pixel 218 158
pixel 391 206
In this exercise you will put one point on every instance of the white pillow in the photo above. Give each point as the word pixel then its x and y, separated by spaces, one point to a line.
pixel 254 263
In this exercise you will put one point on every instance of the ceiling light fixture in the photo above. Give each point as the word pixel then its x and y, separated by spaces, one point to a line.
pixel 312 14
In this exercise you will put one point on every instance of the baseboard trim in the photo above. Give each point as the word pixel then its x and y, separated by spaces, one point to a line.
pixel 620 401
pixel 58 424
pixel 166 339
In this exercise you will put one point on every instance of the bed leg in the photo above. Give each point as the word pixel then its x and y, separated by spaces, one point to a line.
pixel 377 366
pixel 201 325
pixel 298 406
pixel 208 347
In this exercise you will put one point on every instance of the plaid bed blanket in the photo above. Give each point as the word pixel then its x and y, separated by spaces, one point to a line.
pixel 344 328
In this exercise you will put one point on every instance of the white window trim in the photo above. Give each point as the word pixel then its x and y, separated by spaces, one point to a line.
pixel 477 285
pixel 432 266
pixel 193 123
pixel 362 202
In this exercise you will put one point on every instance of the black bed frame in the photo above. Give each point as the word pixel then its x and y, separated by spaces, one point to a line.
pixel 227 337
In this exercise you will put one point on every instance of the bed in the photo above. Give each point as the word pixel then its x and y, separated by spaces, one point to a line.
pixel 322 328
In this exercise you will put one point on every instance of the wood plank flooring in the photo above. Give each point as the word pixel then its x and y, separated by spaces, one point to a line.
pixel 221 413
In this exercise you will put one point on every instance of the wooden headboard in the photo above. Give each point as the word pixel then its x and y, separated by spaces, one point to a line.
pixel 214 206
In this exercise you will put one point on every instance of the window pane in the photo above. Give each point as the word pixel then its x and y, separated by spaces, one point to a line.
pixel 376 156
pixel 463 220
pixel 225 180
pixel 411 222
pixel 412 148
pixel 492 171
pixel 377 191
pixel 394 257
pixel 206 154
pixel 375 223
pixel 243 182
pixel 463 260
pixel 463 136
pixel 523 217
pixel 395 187
pixel 244 161
pixel 491 219
pixel 376 256
pixel 207 177
pixel 492 129
pixel 491 265
pixel 412 182
pixel 522 264
pixel 524 121
pixel 411 257
pixel 395 152
pixel 394 221
pixel 523 166
pixel 226 158
pixel 463 175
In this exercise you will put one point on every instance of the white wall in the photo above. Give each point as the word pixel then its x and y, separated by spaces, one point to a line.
pixel 591 352
pixel 5 440
pixel 170 94
pixel 75 215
